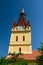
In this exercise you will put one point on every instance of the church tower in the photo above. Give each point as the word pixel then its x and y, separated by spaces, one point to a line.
pixel 20 40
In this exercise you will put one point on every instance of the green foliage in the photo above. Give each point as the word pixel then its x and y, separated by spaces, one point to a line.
pixel 12 54
pixel 3 61
pixel 40 58
pixel 13 61
pixel 41 48
pixel 21 62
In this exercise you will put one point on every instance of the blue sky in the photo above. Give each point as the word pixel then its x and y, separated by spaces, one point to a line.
pixel 10 10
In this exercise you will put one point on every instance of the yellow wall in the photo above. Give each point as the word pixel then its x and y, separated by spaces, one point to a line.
pixel 24 49
pixel 20 38
pixel 16 44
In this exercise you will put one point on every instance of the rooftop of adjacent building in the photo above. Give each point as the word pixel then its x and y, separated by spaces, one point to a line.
pixel 32 56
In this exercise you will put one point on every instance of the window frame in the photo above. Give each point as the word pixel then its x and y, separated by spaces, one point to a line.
pixel 16 38
pixel 23 38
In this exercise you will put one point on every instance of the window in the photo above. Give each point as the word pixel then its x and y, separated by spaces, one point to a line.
pixel 20 50
pixel 23 38
pixel 16 38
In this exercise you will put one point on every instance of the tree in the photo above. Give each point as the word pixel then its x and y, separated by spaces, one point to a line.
pixel 3 61
pixel 40 58
pixel 14 56
pixel 17 61
pixel 13 61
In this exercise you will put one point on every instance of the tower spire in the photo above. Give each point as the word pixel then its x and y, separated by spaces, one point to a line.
pixel 22 18
pixel 23 9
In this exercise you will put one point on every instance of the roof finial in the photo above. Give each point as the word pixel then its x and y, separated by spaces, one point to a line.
pixel 23 9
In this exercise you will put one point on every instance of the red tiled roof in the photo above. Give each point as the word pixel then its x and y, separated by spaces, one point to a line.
pixel 32 56
pixel 9 57
pixel 22 20
pixel 21 23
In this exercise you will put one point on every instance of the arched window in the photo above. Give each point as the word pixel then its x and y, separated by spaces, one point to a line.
pixel 23 38
pixel 16 38
pixel 20 50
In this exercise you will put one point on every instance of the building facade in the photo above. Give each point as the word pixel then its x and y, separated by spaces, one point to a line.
pixel 20 40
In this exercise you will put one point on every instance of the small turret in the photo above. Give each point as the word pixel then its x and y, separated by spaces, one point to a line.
pixel 14 24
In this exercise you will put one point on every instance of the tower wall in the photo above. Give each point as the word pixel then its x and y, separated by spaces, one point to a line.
pixel 26 46
pixel 24 49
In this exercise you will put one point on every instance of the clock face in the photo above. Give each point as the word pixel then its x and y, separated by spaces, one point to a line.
pixel 21 28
